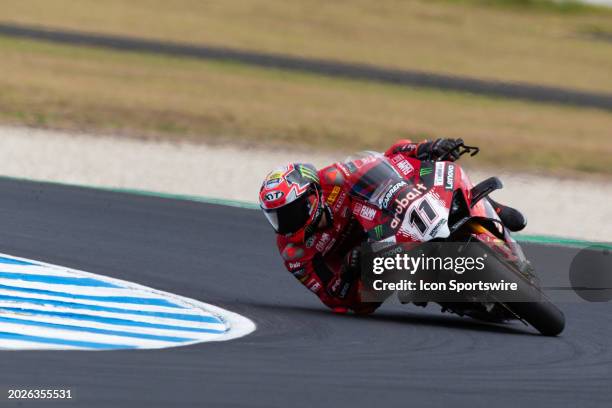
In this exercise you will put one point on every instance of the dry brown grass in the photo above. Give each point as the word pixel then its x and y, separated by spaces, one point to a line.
pixel 80 88
pixel 514 44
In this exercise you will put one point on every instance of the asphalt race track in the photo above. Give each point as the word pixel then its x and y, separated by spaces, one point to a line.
pixel 401 356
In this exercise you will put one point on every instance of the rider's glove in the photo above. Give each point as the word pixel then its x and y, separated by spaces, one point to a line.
pixel 446 148
pixel 349 274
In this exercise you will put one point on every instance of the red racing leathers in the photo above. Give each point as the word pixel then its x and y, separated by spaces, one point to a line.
pixel 318 260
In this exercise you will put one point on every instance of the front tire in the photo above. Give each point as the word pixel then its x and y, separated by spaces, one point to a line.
pixel 542 315
pixel 533 306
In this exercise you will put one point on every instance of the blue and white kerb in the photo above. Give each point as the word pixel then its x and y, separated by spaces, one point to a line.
pixel 45 306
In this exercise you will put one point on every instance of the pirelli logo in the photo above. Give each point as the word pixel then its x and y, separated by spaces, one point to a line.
pixel 333 195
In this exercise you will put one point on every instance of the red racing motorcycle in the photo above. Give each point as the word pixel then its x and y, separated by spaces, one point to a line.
pixel 399 200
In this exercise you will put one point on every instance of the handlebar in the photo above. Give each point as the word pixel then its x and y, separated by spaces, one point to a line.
pixel 472 150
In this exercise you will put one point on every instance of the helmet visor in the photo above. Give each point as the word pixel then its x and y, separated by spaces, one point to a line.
pixel 294 216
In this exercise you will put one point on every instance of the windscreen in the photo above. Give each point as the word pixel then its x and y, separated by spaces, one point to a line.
pixel 377 178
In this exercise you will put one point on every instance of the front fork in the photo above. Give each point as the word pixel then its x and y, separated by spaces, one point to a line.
pixel 507 248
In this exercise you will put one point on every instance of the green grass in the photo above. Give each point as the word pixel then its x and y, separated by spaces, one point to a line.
pixel 155 96
pixel 144 95
pixel 562 6
pixel 532 41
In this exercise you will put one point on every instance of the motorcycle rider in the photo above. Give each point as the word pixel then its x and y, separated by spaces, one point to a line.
pixel 318 235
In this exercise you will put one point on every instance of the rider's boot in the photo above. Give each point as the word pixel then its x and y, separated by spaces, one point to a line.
pixel 511 217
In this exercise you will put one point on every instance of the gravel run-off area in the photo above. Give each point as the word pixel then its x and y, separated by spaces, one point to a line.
pixel 572 208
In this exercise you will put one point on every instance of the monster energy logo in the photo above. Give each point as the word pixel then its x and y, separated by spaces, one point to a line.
pixel 425 171
pixel 378 231
pixel 309 174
